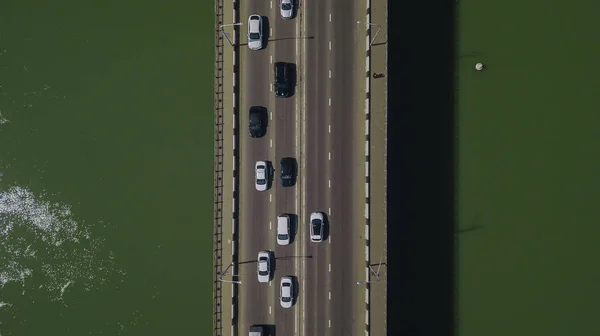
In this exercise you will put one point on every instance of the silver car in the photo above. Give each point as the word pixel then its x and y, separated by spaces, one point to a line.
pixel 287 9
pixel 255 35
pixel 317 226
pixel 283 230
pixel 260 175
pixel 286 292
pixel 263 269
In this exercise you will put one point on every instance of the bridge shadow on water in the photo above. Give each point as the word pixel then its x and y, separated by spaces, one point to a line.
pixel 421 168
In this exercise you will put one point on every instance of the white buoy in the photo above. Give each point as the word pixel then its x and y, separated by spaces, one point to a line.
pixel 479 66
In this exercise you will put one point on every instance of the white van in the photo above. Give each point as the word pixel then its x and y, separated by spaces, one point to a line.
pixel 283 230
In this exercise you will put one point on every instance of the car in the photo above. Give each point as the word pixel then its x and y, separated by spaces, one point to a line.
pixel 263 268
pixel 282 79
pixel 255 35
pixel 288 172
pixel 287 9
pixel 283 230
pixel 256 330
pixel 261 176
pixel 317 225
pixel 286 292
pixel 257 125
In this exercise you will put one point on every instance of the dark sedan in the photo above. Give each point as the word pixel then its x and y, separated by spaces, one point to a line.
pixel 258 121
pixel 288 172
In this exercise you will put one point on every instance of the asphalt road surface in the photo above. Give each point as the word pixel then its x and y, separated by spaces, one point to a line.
pixel 312 126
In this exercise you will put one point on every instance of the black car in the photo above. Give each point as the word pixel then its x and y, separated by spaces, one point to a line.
pixel 258 121
pixel 282 80
pixel 288 172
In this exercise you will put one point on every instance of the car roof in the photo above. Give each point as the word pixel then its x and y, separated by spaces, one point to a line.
pixel 253 22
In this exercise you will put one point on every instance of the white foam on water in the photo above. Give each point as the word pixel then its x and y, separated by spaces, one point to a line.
pixel 40 237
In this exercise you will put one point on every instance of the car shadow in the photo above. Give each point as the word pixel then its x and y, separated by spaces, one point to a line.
pixel 296 292
pixel 325 225
pixel 293 78
pixel 273 265
pixel 270 174
pixel 293 227
pixel 266 30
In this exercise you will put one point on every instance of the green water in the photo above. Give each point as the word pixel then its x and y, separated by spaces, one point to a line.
pixel 106 130
pixel 529 168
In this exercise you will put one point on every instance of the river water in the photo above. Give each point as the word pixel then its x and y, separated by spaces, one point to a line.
pixel 105 167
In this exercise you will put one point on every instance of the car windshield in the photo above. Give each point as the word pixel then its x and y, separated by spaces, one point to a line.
pixel 282 236
pixel 254 36
pixel 286 6
pixel 261 181
pixel 286 299
pixel 263 272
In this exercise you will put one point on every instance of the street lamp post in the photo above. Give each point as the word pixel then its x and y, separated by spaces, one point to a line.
pixel 376 274
pixel 221 274
pixel 226 34
pixel 371 24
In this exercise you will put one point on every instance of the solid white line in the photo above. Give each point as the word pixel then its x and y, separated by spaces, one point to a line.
pixel 329 128
pixel 329 101
pixel 271 142
pixel 269 309
pixel 329 73
pixel 270 197
pixel 329 183
pixel 329 271
pixel 329 45
pixel 329 17
pixel 329 155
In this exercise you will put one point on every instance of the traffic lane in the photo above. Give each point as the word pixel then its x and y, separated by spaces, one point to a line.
pixel 254 297
pixel 347 137
pixel 317 161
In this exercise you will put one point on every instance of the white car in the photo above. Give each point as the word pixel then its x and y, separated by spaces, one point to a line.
pixel 263 269
pixel 287 8
pixel 286 292
pixel 317 226
pixel 283 230
pixel 260 175
pixel 255 34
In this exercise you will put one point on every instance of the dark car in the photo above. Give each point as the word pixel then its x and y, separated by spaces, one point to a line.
pixel 282 80
pixel 258 122
pixel 288 172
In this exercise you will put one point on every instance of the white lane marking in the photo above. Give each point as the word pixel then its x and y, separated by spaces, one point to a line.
pixel 329 271
pixel 329 73
pixel 329 128
pixel 271 115
pixel 271 58
pixel 329 183
pixel 329 155
pixel 329 17
pixel 271 4
pixel 329 213
pixel 270 283
pixel 269 309
pixel 329 295
pixel 329 45
pixel 270 228
pixel 271 142
pixel 270 197
pixel 271 88
pixel 270 31
pixel 329 101
pixel 329 323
